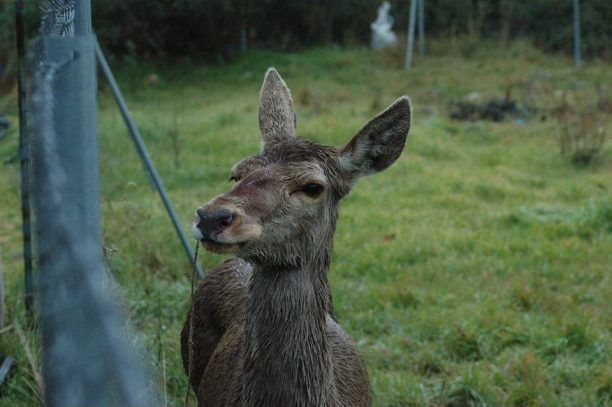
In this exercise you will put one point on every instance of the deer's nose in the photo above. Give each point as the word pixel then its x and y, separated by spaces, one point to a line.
pixel 216 220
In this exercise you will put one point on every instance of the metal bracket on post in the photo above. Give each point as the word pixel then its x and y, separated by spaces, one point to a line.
pixel 144 154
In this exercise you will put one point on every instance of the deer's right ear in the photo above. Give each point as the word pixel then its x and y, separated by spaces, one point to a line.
pixel 379 143
pixel 277 119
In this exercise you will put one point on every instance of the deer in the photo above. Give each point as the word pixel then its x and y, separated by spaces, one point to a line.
pixel 263 330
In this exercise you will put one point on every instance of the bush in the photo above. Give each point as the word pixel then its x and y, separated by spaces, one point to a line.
pixel 179 28
pixel 581 130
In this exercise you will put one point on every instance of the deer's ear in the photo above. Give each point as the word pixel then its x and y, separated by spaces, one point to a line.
pixel 276 115
pixel 380 142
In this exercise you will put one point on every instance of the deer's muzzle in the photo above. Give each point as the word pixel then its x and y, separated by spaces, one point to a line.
pixel 213 222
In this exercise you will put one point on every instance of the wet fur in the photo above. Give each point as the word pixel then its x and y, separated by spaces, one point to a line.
pixel 219 319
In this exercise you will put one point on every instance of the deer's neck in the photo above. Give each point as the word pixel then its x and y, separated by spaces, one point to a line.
pixel 288 358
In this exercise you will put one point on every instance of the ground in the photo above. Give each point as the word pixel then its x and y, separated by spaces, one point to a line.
pixel 474 271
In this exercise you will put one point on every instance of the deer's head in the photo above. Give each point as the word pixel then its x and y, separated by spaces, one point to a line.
pixel 283 207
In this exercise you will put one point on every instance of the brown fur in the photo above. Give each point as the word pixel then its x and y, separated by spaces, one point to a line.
pixel 262 332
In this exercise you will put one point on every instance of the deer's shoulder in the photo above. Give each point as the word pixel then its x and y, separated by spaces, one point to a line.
pixel 224 291
pixel 350 371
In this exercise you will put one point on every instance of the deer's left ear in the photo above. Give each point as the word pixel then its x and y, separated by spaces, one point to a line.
pixel 276 115
pixel 380 142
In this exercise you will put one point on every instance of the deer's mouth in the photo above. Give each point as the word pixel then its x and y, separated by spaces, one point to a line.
pixel 219 247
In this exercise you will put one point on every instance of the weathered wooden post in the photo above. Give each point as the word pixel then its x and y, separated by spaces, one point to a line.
pixel 24 158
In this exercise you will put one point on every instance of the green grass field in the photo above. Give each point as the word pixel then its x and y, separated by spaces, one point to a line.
pixel 475 271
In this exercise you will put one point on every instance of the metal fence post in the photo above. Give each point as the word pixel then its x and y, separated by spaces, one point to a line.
pixel 421 8
pixel 577 47
pixel 86 359
pixel 243 27
pixel 410 34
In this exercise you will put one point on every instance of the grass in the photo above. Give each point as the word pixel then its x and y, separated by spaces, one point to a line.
pixel 474 271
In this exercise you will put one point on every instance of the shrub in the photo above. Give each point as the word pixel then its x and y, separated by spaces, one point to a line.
pixel 581 130
pixel 179 28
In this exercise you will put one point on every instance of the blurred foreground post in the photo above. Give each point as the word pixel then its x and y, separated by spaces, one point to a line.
pixel 410 35
pixel 86 358
pixel 577 47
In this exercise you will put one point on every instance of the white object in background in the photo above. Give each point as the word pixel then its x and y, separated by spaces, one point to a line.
pixel 382 35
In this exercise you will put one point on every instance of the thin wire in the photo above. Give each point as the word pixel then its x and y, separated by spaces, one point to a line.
pixel 190 340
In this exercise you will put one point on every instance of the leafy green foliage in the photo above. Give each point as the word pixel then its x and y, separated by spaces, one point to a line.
pixel 193 28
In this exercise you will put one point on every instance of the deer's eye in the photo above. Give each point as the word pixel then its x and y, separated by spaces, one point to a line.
pixel 234 178
pixel 312 190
